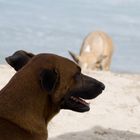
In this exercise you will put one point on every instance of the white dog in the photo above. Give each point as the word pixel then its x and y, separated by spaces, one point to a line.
pixel 96 52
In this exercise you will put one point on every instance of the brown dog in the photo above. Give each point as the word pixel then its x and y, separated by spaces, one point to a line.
pixel 19 59
pixel 96 52
pixel 38 91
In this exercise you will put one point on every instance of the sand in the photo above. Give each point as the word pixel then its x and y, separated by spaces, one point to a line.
pixel 114 115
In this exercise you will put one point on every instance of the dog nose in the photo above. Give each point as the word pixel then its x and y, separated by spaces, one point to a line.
pixel 7 59
pixel 102 86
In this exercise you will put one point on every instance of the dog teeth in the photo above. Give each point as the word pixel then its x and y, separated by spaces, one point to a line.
pixel 75 99
pixel 79 100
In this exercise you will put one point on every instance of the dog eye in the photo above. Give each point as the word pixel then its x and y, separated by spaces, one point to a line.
pixel 79 69
pixel 77 74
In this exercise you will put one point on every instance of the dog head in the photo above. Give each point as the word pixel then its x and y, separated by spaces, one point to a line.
pixel 63 83
pixel 88 60
pixel 19 59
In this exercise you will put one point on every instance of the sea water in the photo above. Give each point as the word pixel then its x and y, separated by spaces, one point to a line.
pixel 56 26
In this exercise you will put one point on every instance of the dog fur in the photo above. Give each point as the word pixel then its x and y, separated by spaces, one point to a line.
pixel 38 91
pixel 96 52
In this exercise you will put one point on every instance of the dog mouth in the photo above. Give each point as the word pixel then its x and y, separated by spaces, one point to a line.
pixel 77 101
pixel 79 104
pixel 73 103
pixel 86 89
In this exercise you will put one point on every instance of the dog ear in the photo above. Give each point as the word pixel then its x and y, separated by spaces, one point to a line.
pixel 13 61
pixel 19 59
pixel 17 62
pixel 30 54
pixel 74 56
pixel 49 79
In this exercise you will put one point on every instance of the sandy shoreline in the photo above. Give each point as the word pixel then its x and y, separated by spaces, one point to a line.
pixel 114 115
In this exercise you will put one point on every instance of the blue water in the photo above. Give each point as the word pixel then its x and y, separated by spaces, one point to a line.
pixel 57 26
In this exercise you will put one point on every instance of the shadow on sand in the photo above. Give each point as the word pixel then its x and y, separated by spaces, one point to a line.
pixel 99 133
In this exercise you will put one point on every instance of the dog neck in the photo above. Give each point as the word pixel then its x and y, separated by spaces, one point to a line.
pixel 26 107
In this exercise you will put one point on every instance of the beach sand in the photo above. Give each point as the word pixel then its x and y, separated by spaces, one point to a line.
pixel 114 115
